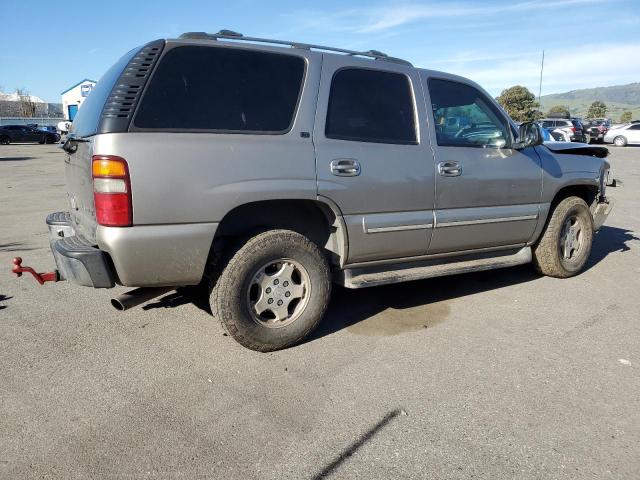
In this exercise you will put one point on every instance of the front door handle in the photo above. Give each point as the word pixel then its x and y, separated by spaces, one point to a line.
pixel 450 169
pixel 345 167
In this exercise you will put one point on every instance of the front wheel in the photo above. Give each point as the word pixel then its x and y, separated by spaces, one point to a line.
pixel 565 244
pixel 620 141
pixel 4 140
pixel 273 291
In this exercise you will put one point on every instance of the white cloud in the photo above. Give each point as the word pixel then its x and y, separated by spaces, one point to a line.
pixel 580 67
pixel 385 17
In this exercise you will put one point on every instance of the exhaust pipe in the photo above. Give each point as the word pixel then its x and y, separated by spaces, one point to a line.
pixel 136 297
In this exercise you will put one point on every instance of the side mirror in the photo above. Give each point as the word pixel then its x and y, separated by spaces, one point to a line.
pixel 530 135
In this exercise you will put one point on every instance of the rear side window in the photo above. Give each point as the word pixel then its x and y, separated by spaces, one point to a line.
pixel 371 106
pixel 227 90
pixel 86 121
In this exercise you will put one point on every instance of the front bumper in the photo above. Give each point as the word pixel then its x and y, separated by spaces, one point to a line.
pixel 77 260
pixel 601 212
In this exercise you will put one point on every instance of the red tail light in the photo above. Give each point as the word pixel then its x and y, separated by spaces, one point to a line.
pixel 112 191
pixel 573 129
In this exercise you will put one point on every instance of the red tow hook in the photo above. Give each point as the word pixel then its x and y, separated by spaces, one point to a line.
pixel 41 278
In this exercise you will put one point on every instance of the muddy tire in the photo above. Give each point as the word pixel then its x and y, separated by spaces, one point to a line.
pixel 565 244
pixel 273 291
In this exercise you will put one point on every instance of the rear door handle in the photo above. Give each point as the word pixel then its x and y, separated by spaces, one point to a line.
pixel 450 169
pixel 345 167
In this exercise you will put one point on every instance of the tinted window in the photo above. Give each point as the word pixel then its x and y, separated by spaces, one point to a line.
pixel 222 89
pixel 547 124
pixel 635 126
pixel 465 117
pixel 86 121
pixel 371 106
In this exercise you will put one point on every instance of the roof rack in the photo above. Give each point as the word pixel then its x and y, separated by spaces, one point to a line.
pixel 231 35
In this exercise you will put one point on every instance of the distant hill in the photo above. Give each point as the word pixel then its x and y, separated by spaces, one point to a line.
pixel 619 98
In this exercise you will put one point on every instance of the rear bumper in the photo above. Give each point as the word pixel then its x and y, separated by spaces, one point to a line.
pixel 76 259
pixel 139 256
pixel 158 255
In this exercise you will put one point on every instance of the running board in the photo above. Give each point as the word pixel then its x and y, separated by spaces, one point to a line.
pixel 382 275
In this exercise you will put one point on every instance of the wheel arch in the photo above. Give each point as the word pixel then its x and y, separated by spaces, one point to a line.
pixel 320 220
pixel 588 191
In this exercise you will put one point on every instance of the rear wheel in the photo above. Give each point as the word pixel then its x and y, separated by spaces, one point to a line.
pixel 273 291
pixel 565 244
pixel 620 141
pixel 4 140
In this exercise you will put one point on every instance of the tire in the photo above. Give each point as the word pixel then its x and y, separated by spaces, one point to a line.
pixel 620 141
pixel 4 140
pixel 550 255
pixel 260 266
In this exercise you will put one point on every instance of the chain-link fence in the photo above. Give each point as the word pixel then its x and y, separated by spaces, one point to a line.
pixel 40 121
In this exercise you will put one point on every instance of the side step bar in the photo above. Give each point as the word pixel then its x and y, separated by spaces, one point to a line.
pixel 382 275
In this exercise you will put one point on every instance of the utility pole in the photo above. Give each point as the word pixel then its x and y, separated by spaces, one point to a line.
pixel 541 70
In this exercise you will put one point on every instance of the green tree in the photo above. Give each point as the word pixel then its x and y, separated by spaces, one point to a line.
pixel 559 109
pixel 625 117
pixel 598 109
pixel 519 103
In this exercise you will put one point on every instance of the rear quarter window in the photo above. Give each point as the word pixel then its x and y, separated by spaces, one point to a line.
pixel 86 121
pixel 227 90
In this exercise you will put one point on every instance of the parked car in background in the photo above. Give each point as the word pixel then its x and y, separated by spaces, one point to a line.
pixel 572 128
pixel 546 135
pixel 64 126
pixel 597 128
pixel 26 134
pixel 628 134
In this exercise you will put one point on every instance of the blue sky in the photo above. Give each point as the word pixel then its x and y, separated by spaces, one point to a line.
pixel 49 46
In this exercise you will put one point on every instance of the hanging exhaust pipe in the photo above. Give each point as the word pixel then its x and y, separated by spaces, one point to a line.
pixel 140 295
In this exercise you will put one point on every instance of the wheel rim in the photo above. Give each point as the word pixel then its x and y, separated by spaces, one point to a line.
pixel 571 238
pixel 619 142
pixel 278 293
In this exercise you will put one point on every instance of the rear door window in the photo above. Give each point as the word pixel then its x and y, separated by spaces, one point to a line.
pixel 371 106
pixel 227 90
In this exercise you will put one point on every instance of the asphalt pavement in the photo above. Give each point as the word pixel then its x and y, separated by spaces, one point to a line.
pixel 491 375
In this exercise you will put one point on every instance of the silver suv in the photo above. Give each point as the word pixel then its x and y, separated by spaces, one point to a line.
pixel 266 170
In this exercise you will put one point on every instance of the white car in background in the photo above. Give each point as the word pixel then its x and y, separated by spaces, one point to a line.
pixel 624 135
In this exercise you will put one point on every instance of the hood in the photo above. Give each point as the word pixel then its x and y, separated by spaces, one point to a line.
pixel 574 148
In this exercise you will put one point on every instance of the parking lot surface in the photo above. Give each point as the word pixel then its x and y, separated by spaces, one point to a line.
pixel 492 375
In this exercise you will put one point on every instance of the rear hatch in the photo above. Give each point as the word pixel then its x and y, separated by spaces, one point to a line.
pixel 106 110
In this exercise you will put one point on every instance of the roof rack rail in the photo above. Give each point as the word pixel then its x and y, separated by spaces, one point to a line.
pixel 231 35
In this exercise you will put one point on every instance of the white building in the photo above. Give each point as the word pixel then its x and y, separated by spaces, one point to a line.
pixel 73 97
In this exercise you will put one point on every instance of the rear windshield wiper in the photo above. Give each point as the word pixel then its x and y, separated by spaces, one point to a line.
pixel 71 143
